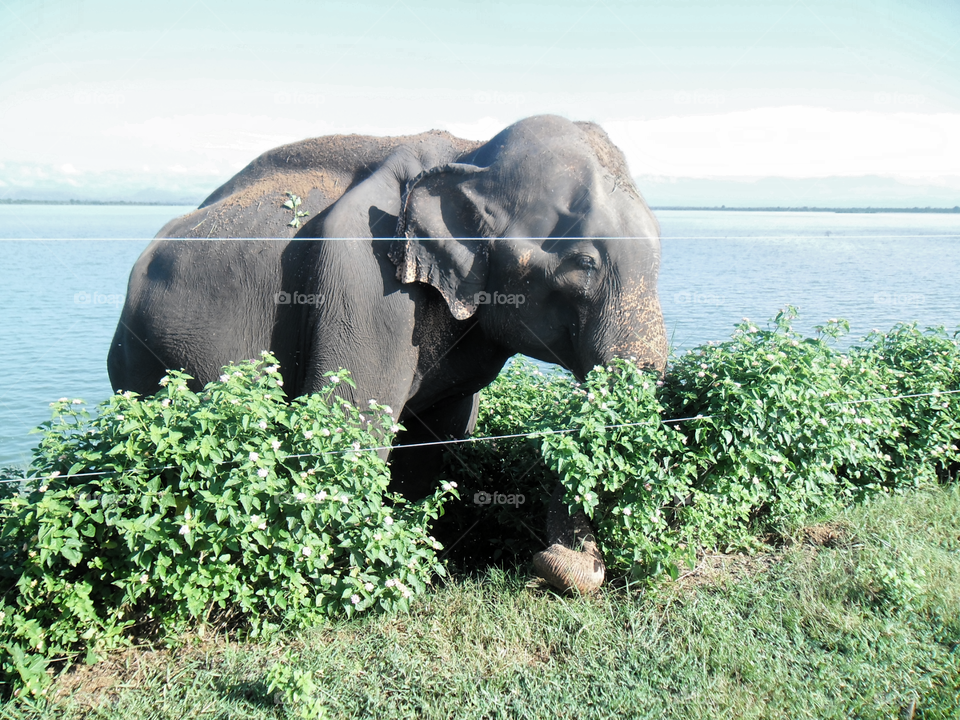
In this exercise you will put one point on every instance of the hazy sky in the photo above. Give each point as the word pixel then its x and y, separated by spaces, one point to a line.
pixel 182 94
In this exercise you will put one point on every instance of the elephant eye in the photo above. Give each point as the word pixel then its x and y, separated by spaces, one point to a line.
pixel 586 262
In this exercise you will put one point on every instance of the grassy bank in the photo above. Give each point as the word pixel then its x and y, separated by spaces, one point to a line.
pixel 856 616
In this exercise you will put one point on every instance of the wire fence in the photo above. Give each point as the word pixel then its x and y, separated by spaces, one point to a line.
pixel 486 438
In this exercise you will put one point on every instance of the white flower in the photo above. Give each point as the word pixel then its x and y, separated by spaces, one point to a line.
pixel 394 428
pixel 354 599
pixel 234 402
pixel 301 497
pixel 371 402
pixel 144 578
pixel 120 417
pixel 388 410
pixel 279 383
pixel 406 593
pixel 267 396
pixel 237 373
pixel 254 457
pixel 598 367
pixel 368 587
pixel 186 514
pixel 344 499
pixel 263 472
pixel 263 424
pixel 325 432
pixel 322 495
pixel 224 378
pixel 309 434
pixel 590 397
pixel 627 511
pixel 43 488
pixel 164 380
pixel 184 530
pixel 64 400
pixel 262 526
pixel 306 550
pixel 390 583
pixel 275 444
pixel 334 379
pixel 356 445
pixel 388 520
pixel 271 369
pixel 78 401
pixel 55 473
pixel 165 402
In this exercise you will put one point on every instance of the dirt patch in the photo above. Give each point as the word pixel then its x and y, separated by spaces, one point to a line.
pixel 828 535
pixel 714 569
pixel 91 685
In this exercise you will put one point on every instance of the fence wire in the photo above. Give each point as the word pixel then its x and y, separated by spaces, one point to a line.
pixel 486 438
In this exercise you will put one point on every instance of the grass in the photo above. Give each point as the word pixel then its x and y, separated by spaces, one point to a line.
pixel 858 616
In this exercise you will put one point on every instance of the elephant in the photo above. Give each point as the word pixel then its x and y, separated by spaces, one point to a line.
pixel 419 263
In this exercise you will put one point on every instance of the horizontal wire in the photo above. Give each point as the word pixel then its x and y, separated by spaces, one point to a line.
pixel 537 433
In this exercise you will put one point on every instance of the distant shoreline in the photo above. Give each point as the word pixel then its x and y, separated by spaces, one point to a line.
pixel 722 208
pixel 8 201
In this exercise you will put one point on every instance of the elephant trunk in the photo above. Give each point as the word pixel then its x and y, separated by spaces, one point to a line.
pixel 572 560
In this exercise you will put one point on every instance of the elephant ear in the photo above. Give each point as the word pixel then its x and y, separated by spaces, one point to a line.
pixel 441 233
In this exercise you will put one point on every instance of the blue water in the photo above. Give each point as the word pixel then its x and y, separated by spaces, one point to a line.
pixel 64 271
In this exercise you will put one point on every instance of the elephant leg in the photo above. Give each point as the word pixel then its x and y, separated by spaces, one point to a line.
pixel 413 470
pixel 572 559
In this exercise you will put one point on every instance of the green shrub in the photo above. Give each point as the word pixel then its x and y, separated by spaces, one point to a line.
pixel 227 505
pixel 780 429
pixel 775 429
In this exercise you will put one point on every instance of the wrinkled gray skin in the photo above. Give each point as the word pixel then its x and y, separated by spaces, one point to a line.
pixel 545 210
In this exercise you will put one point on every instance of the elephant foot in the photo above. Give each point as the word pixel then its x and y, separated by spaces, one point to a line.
pixel 568 569
pixel 560 564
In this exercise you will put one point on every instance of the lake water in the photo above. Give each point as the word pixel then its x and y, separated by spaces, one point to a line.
pixel 64 271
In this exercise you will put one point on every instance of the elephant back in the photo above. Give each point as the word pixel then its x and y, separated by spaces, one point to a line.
pixel 317 170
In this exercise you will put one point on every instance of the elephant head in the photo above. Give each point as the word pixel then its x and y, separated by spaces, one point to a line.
pixel 541 236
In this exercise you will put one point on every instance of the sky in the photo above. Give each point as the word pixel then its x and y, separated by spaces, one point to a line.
pixel 772 102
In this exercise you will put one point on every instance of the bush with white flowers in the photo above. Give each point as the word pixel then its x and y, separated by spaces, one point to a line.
pixel 775 429
pixel 227 505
